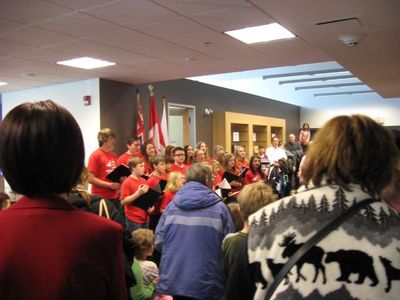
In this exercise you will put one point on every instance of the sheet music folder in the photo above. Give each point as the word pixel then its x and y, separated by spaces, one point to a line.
pixel 119 172
pixel 230 177
pixel 147 200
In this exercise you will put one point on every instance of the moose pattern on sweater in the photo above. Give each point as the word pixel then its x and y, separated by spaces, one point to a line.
pixel 359 260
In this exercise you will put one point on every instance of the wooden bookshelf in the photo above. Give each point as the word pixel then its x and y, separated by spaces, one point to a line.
pixel 250 131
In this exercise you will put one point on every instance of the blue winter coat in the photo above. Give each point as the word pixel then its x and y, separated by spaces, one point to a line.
pixel 189 235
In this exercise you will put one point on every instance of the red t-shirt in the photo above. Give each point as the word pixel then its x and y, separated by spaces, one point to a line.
pixel 251 177
pixel 182 169
pixel 152 182
pixel 126 156
pixel 240 164
pixel 217 181
pixel 167 198
pixel 101 163
pixel 134 213
pixel 147 168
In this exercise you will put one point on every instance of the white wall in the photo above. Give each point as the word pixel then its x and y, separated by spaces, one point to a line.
pixel 386 109
pixel 70 95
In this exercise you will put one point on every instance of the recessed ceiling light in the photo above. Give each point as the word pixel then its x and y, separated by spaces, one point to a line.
pixel 87 63
pixel 3 83
pixel 262 33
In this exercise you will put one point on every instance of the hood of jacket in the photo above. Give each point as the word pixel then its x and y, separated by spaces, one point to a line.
pixel 194 195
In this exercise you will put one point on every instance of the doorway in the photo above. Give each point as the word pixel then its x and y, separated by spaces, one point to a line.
pixel 181 124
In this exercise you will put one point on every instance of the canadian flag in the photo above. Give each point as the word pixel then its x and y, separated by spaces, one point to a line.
pixel 155 134
pixel 140 132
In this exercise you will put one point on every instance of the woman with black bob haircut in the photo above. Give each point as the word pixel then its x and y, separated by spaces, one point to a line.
pixel 49 249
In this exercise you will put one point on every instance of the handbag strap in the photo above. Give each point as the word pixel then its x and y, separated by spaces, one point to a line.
pixel 328 228
pixel 103 205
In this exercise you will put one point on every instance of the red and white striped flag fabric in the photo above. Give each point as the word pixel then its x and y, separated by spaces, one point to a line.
pixel 155 134
pixel 140 132
pixel 164 125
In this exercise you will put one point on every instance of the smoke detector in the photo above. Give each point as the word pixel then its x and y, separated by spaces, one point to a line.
pixel 351 40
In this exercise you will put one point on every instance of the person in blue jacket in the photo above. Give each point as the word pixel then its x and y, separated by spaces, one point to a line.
pixel 189 236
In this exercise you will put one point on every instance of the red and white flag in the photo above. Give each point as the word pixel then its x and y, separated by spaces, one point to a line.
pixel 140 132
pixel 155 134
pixel 164 125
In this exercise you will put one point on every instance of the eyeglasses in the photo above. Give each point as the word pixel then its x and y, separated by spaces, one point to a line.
pixel 182 154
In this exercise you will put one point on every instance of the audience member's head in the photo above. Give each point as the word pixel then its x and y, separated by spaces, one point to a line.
pixel 352 149
pixel 41 149
pixel 234 210
pixel 4 201
pixel 143 243
pixel 199 173
pixel 253 197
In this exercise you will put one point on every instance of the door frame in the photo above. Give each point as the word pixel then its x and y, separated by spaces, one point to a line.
pixel 192 117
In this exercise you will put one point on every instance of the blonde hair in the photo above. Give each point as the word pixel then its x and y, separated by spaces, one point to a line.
pixel 352 149
pixel 227 157
pixel 253 197
pixel 81 187
pixel 142 242
pixel 236 153
pixel 215 164
pixel 172 184
pixel 104 134
pixel 134 161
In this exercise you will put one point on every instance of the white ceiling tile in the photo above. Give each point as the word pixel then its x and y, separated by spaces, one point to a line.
pixel 78 25
pixel 31 11
pixel 231 18
pixel 132 13
pixel 45 55
pixel 188 7
pixel 9 47
pixel 147 45
pixel 35 37
pixel 7 25
pixel 80 4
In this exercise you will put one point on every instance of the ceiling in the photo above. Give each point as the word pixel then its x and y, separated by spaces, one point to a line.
pixel 169 39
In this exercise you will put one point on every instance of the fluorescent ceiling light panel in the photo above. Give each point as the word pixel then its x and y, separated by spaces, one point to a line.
pixel 87 63
pixel 262 33
pixel 2 83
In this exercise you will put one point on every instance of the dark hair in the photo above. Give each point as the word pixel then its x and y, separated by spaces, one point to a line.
pixel 352 149
pixel 156 159
pixel 169 150
pixel 258 170
pixel 176 149
pixel 131 140
pixel 143 149
pixel 187 158
pixel 41 149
